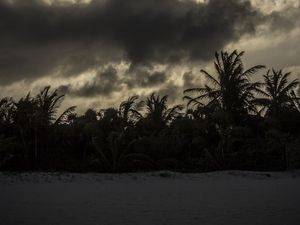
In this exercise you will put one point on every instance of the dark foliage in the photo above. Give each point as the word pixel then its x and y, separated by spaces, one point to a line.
pixel 233 123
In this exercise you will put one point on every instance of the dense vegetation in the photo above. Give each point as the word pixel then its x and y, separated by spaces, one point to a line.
pixel 229 123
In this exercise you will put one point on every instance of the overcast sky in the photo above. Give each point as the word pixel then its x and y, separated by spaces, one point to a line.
pixel 99 52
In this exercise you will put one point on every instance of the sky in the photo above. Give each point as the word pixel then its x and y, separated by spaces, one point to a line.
pixel 100 52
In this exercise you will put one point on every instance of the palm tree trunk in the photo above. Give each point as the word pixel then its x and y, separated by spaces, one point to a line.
pixel 286 158
pixel 22 137
pixel 35 146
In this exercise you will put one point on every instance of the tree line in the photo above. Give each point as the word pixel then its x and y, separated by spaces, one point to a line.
pixel 231 122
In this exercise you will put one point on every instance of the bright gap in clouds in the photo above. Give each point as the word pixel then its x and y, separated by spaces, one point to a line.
pixel 269 6
pixel 51 2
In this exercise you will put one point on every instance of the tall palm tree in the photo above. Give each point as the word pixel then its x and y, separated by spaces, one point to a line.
pixel 6 141
pixel 36 114
pixel 278 93
pixel 24 118
pixel 48 104
pixel 232 90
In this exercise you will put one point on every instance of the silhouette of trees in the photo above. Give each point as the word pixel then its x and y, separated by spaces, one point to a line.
pixel 33 117
pixel 231 123
pixel 117 155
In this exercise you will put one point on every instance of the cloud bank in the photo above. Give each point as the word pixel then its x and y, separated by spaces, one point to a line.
pixel 49 39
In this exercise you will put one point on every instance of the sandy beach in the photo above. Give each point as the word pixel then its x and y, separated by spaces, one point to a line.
pixel 229 197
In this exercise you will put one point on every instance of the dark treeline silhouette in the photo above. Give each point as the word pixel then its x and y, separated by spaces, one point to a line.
pixel 230 122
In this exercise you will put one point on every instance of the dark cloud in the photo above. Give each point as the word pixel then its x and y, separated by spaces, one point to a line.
pixel 285 20
pixel 108 81
pixel 104 83
pixel 189 80
pixel 144 78
pixel 175 91
pixel 172 90
pixel 38 39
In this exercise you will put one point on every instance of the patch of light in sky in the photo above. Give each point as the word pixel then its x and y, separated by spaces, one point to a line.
pixel 51 2
pixel 269 6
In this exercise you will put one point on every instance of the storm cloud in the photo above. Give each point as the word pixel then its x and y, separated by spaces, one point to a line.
pixel 103 83
pixel 113 48
pixel 39 39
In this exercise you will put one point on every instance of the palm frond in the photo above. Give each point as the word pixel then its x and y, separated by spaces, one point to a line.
pixel 64 116
pixel 210 77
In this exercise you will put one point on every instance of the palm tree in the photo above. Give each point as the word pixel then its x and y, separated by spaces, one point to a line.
pixel 47 106
pixel 128 110
pixel 6 140
pixel 39 113
pixel 24 119
pixel 157 109
pixel 278 93
pixel 232 91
